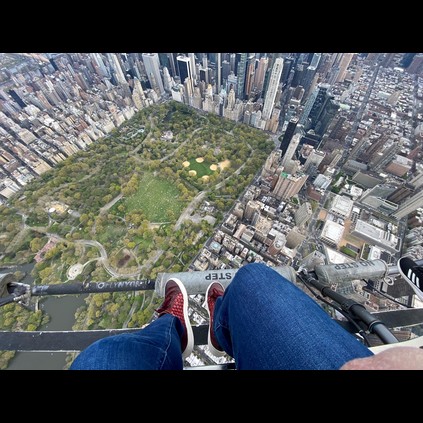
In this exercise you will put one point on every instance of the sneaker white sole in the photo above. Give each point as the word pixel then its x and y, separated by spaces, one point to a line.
pixel 415 289
pixel 190 334
pixel 213 350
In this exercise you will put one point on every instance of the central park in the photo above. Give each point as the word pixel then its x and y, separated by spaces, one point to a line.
pixel 128 207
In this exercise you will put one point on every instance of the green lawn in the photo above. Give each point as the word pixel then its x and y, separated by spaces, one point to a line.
pixel 158 199
pixel 112 233
pixel 201 168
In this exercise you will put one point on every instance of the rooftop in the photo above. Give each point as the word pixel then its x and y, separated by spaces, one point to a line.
pixel 332 231
pixel 342 205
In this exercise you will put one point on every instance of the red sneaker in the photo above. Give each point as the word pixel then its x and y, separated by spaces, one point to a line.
pixel 214 291
pixel 176 303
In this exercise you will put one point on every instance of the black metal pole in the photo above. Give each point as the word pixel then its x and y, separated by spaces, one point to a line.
pixel 357 310
pixel 79 288
pixel 375 325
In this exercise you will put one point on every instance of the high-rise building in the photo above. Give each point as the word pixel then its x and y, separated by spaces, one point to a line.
pixel 249 75
pixel 294 239
pixel 308 78
pixel 251 208
pixel 260 74
pixel 308 106
pixel 315 60
pixel 328 113
pixel 319 103
pixel 167 79
pixel 314 159
pixel 219 73
pixel 192 64
pixel 204 75
pixel 138 96
pixel 290 151
pixel 275 77
pixel 115 64
pixel 288 185
pixel 173 68
pixel 323 110
pixel 410 205
pixel 101 68
pixel 152 68
pixel 287 66
pixel 383 157
pixel 226 70
pixel 303 214
pixel 240 73
pixel 298 76
pixel 289 133
pixel 185 71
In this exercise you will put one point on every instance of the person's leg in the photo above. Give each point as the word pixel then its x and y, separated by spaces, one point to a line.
pixel 160 346
pixel 266 322
pixel 156 347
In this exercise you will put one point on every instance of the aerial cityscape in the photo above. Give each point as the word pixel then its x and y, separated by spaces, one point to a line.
pixel 120 166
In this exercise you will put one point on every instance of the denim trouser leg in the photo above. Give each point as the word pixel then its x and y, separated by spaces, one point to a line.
pixel 156 347
pixel 266 322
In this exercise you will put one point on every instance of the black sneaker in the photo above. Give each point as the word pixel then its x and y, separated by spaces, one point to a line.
pixel 413 274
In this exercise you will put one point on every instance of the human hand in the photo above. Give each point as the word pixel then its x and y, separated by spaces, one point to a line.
pixel 396 358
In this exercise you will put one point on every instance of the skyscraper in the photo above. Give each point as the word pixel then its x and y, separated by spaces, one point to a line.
pixel 261 73
pixel 114 63
pixel 316 59
pixel 240 73
pixel 289 133
pixel 185 71
pixel 323 109
pixel 219 73
pixel 272 89
pixel 308 78
pixel 288 185
pixel 100 64
pixel 314 159
pixel 192 63
pixel 291 149
pixel 249 76
pixel 151 64
pixel 167 79
pixel 328 113
pixel 138 96
pixel 298 76
pixel 226 70
pixel 287 66
pixel 308 106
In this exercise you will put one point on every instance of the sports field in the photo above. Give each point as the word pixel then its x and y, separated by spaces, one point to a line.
pixel 155 198
pixel 201 168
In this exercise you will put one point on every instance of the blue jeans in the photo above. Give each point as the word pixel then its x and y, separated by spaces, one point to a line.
pixel 263 321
